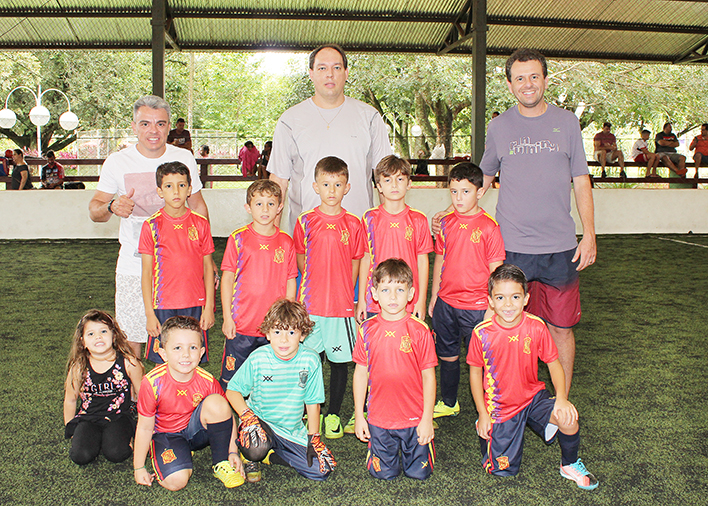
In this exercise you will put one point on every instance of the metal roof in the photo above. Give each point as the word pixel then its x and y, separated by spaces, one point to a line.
pixel 643 30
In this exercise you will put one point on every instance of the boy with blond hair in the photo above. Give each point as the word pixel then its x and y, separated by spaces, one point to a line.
pixel 394 230
pixel 258 268
pixel 176 247
pixel 329 243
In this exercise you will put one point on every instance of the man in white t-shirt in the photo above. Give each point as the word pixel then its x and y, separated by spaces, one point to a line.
pixel 127 188
pixel 328 124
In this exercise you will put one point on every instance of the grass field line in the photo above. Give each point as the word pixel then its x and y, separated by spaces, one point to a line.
pixel 682 242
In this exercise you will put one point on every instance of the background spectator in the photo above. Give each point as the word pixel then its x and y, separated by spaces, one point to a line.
pixel 248 155
pixel 204 151
pixel 700 144
pixel 606 149
pixel 21 173
pixel 640 153
pixel 179 136
pixel 666 144
pixel 52 174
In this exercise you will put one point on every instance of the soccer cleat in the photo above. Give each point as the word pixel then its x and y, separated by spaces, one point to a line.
pixel 577 472
pixel 304 420
pixel 333 427
pixel 441 409
pixel 228 475
pixel 349 428
pixel 252 470
pixel 266 460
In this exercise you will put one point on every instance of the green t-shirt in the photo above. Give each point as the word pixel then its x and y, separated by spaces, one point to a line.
pixel 279 389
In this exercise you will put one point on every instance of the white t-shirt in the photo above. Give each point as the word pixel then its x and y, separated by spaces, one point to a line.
pixel 306 133
pixel 128 169
pixel 637 148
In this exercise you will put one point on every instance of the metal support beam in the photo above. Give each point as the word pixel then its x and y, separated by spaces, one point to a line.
pixel 159 20
pixel 698 53
pixel 479 78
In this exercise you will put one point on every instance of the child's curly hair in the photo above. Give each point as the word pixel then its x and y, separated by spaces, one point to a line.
pixel 286 314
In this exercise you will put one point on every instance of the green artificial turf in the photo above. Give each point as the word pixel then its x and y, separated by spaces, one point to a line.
pixel 640 387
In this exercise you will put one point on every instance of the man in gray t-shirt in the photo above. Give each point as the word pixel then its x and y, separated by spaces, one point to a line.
pixel 328 124
pixel 538 150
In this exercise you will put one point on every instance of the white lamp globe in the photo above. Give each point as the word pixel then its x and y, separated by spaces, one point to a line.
pixel 416 131
pixel 69 120
pixel 7 118
pixel 39 115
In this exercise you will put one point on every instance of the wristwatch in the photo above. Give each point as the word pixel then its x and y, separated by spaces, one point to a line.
pixel 110 204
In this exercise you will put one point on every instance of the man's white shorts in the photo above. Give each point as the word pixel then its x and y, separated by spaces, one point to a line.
pixel 130 311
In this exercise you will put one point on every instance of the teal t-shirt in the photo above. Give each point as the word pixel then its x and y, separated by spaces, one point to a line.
pixel 279 389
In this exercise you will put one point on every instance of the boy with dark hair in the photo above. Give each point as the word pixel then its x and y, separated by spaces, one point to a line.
pixel 258 268
pixel 52 174
pixel 272 418
pixel 468 248
pixel 395 360
pixel 395 230
pixel 182 408
pixel 176 247
pixel 329 243
pixel 641 154
pixel 503 358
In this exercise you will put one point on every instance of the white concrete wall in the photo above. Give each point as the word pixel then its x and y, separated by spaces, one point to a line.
pixel 45 214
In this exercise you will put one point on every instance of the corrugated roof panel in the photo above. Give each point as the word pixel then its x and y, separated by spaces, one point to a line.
pixel 436 6
pixel 68 31
pixel 307 33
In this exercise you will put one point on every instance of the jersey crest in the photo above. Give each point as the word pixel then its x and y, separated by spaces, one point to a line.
pixel 406 346
pixel 192 233
pixel 476 235
pixel 279 256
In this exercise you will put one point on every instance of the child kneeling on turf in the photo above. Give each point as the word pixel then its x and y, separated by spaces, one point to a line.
pixel 182 408
pixel 503 357
pixel 395 357
pixel 278 380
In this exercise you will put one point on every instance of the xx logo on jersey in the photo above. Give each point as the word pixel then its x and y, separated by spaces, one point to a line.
pixel 178 226
pixel 463 226
pixel 393 224
pixel 181 392
pixel 390 333
pixel 263 246
pixel 331 226
pixel 267 378
pixel 335 349
pixel 513 339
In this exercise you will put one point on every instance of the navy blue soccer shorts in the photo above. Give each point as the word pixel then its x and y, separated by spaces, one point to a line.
pixel 154 343
pixel 236 351
pixel 450 325
pixel 502 452
pixel 391 450
pixel 172 452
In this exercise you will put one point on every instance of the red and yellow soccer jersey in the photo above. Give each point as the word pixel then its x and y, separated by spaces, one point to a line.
pixel 329 244
pixel 178 247
pixel 263 265
pixel 509 358
pixel 701 145
pixel 468 245
pixel 395 354
pixel 172 402
pixel 404 235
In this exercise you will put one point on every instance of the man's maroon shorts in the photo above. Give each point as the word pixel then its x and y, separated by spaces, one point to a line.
pixel 641 158
pixel 554 286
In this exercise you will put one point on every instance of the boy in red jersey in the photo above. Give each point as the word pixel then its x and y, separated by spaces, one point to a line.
pixel 503 358
pixel 394 230
pixel 176 247
pixel 182 408
pixel 395 359
pixel 258 268
pixel 329 243
pixel 468 248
